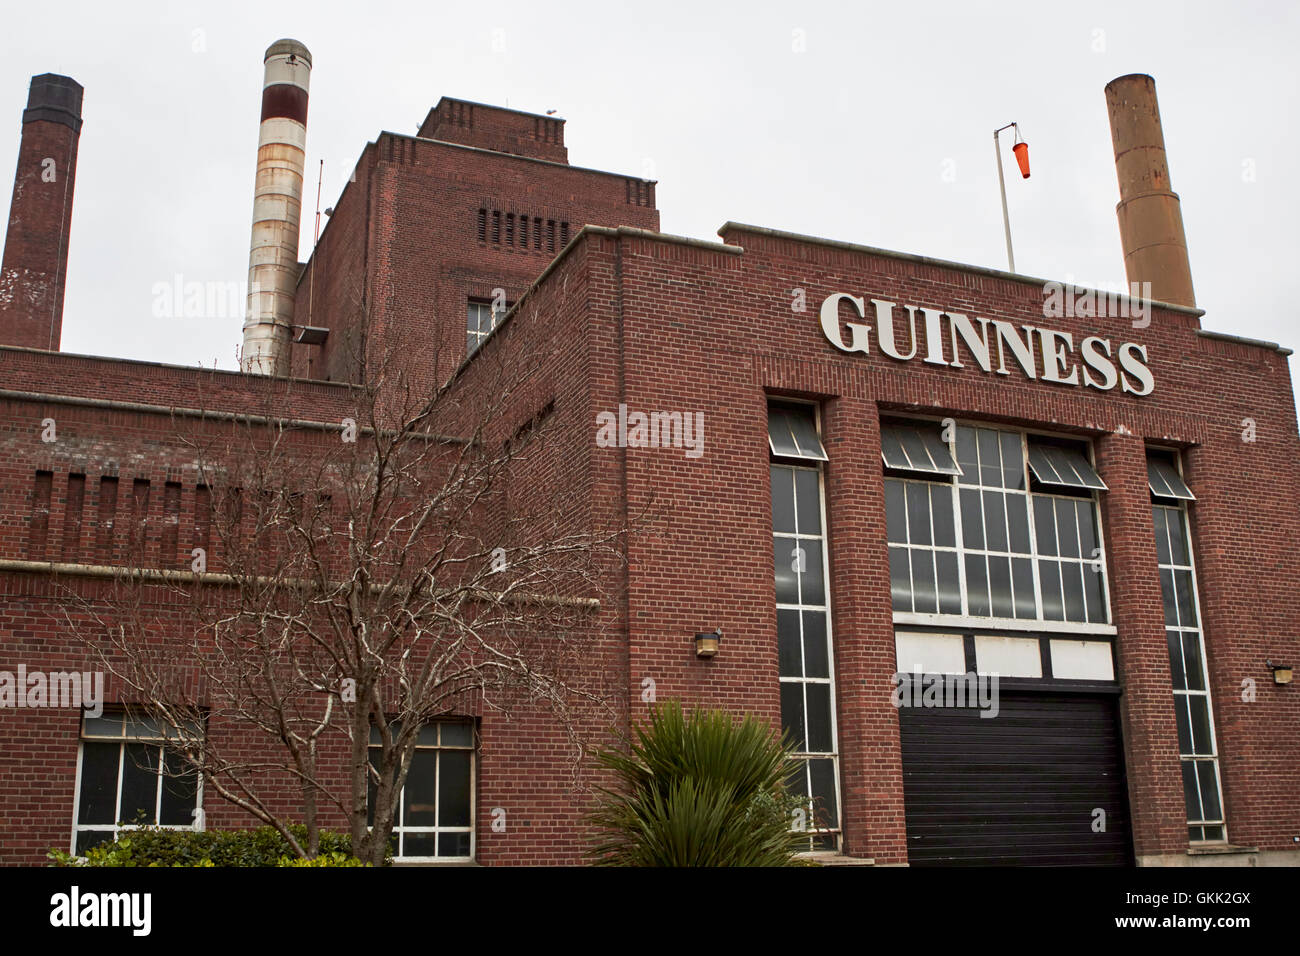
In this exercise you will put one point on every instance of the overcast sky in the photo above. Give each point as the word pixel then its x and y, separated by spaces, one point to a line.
pixel 864 122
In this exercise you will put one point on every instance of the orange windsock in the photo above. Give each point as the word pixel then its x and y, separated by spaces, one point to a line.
pixel 1022 158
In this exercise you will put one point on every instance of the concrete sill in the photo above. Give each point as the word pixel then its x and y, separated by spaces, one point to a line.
pixel 826 858
pixel 1220 849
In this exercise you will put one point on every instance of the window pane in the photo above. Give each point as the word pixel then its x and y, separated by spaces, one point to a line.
pixel 1199 706
pixel 457 735
pixel 815 651
pixel 1067 528
pixel 1072 585
pixel 891 449
pixel 427 736
pixel 1176 673
pixel 995 521
pixel 1191 798
pixel 796 784
pixel 990 461
pixel 826 813
pixel 1192 661
pixel 966 455
pixel 803 424
pixel 786 552
pixel 420 793
pixel 949 585
pixel 372 789
pixel 1178 537
pixel 1094 593
pixel 453 788
pixel 98 782
pixel 1022 574
pixel 1013 466
pixel 810 580
pixel 918 513
pixel 819 718
pixel 923 581
pixel 787 643
pixel 453 844
pixel 1186 601
pixel 915 449
pixel 91 838
pixel 1162 535
pixel 419 844
pixel 1167 593
pixel 940 454
pixel 180 792
pixel 792 713
pixel 1087 515
pixel 106 726
pixel 1018 521
pixel 1049 577
pixel 1000 586
pixel 780 438
pixel 139 784
pixel 1184 724
pixel 900 579
pixel 977 585
pixel 1212 833
pixel 1045 525
pixel 783 499
pixel 972 519
pixel 808 498
pixel 1209 790
pixel 941 509
pixel 895 511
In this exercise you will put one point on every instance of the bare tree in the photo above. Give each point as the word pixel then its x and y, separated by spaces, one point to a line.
pixel 360 578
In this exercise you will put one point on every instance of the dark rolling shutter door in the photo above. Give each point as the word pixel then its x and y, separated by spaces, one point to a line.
pixel 1017 789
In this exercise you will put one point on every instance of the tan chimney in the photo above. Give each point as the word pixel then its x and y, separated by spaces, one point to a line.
pixel 1150 219
pixel 277 208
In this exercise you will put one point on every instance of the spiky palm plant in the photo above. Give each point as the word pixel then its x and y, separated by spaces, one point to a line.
pixel 701 790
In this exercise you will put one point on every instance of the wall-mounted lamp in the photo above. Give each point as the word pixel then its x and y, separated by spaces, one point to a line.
pixel 1281 672
pixel 706 645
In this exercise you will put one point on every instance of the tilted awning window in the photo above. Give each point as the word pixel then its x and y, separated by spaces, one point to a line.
pixel 1166 482
pixel 792 432
pixel 1065 467
pixel 922 449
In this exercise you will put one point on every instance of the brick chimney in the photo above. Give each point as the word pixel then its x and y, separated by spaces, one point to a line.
pixel 33 272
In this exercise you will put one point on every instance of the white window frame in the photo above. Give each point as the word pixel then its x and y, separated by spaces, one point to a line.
pixel 117 828
pixel 1181 507
pixel 400 830
pixel 478 335
pixel 795 464
pixel 1036 624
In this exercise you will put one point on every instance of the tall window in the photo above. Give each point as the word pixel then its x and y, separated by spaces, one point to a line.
pixel 1196 739
pixel 1004 528
pixel 435 812
pixel 127 778
pixel 481 319
pixel 805 661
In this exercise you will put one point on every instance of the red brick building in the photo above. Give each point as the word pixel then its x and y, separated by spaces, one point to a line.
pixel 887 480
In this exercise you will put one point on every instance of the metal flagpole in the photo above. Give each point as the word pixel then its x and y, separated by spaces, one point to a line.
pixel 1002 186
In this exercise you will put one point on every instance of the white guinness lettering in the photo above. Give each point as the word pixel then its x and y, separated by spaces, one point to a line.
pixel 1041 354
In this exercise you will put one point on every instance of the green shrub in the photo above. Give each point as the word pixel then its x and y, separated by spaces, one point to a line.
pixel 698 791
pixel 156 846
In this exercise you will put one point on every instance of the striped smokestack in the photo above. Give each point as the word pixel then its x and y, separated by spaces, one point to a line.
pixel 277 206
pixel 1150 219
